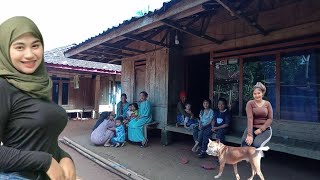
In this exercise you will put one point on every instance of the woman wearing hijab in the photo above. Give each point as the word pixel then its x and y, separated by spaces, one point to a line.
pixel 30 122
pixel 135 126
pixel 122 106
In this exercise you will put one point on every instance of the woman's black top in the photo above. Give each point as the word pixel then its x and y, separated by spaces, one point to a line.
pixel 29 130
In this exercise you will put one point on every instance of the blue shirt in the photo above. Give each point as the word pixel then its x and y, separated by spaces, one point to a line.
pixel 206 117
pixel 120 134
pixel 222 118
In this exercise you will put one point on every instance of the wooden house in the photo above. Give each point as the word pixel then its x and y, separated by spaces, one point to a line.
pixel 221 48
pixel 82 86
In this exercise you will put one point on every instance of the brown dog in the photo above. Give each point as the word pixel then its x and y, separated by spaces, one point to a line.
pixel 233 155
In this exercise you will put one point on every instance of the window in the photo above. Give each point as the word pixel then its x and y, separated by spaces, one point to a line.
pixel 259 69
pixel 65 93
pixel 300 86
pixel 226 83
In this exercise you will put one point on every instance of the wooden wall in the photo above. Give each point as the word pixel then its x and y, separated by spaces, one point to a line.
pixel 156 81
pixel 92 92
pixel 295 20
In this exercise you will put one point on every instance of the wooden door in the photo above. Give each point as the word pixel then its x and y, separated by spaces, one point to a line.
pixel 140 78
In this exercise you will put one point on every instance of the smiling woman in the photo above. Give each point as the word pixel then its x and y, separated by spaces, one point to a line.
pixel 26 53
pixel 30 122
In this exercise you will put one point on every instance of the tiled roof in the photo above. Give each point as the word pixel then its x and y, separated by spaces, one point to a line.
pixel 164 8
pixel 56 56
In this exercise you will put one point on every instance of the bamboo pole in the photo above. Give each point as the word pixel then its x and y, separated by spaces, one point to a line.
pixel 108 164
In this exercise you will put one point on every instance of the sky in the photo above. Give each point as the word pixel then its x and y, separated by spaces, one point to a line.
pixel 64 22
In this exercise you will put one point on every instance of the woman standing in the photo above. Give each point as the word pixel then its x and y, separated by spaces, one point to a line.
pixel 260 115
pixel 135 126
pixel 30 122
pixel 122 106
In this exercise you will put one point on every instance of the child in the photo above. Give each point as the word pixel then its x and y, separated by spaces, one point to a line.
pixel 128 115
pixel 119 138
pixel 189 122
pixel 135 110
pixel 104 131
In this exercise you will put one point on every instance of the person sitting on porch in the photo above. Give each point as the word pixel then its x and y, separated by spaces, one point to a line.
pixel 206 117
pixel 135 126
pixel 104 131
pixel 190 122
pixel 260 116
pixel 220 126
pixel 122 106
pixel 181 113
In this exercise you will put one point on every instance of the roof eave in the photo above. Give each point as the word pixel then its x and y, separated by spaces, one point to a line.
pixel 182 9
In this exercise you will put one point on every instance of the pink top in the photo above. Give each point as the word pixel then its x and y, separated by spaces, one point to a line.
pixel 259 117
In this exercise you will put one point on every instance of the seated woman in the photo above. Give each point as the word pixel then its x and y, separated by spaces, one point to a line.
pixel 181 113
pixel 206 117
pixel 104 131
pixel 122 106
pixel 135 126
pixel 220 126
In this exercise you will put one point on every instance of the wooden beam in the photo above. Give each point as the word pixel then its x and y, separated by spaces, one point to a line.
pixel 239 14
pixel 189 31
pixel 194 20
pixel 146 21
pixel 244 4
pixel 110 52
pixel 156 32
pixel 100 54
pixel 138 38
pixel 113 46
pixel 206 23
pixel 165 36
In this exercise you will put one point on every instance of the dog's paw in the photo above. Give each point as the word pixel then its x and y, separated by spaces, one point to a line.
pixel 238 177
pixel 217 176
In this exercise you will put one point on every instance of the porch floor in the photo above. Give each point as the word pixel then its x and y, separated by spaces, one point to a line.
pixel 158 162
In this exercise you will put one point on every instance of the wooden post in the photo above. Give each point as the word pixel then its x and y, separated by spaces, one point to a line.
pixel 278 78
pixel 211 79
pixel 241 87
pixel 166 137
pixel 97 93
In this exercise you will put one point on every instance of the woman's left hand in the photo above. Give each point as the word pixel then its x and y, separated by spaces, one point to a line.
pixel 68 168
pixel 214 129
pixel 257 132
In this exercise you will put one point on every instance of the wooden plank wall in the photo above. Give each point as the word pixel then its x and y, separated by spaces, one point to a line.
pixel 294 20
pixel 156 81
pixel 96 90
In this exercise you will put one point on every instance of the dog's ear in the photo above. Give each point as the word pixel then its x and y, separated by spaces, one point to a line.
pixel 218 141
pixel 210 141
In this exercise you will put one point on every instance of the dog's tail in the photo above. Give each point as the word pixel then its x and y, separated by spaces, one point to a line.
pixel 265 148
pixel 261 149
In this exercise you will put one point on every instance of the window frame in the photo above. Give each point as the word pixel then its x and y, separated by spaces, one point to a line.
pixel 284 49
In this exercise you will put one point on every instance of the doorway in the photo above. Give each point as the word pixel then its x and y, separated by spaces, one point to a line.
pixel 55 92
pixel 197 80
pixel 140 78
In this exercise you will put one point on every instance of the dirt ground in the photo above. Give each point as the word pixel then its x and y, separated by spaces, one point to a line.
pixel 158 162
